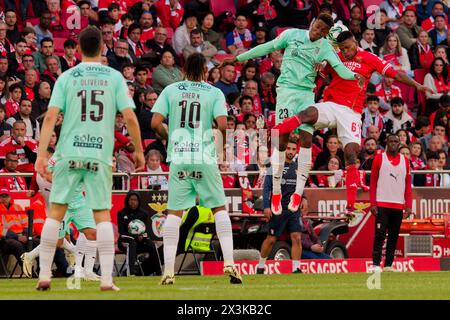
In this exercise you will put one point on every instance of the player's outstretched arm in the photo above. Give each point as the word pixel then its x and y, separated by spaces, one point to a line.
pixel 133 128
pixel 403 78
pixel 46 134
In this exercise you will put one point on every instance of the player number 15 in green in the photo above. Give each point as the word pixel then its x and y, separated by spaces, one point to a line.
pixel 94 102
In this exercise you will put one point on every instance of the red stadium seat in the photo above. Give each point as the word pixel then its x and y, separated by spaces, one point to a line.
pixel 281 30
pixel 419 76
pixel 169 35
pixel 218 7
pixel 59 45
pixel 368 3
pixel 407 94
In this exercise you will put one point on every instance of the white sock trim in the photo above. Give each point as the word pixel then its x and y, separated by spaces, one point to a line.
pixel 262 262
pixel 304 166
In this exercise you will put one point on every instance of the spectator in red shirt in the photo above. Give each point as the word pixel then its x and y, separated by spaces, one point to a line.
pixel 385 91
pixel 30 37
pixel 228 180
pixel 12 182
pixel 13 103
pixel 147 24
pixel 25 148
pixel 6 46
pixel 30 83
pixel 416 158
pixel 24 114
pixel 170 13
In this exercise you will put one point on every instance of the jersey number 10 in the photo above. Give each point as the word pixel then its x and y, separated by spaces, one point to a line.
pixel 193 107
pixel 94 102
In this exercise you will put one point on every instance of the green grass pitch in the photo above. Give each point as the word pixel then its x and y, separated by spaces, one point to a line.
pixel 420 285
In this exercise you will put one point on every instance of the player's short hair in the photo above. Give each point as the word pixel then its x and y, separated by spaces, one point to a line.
pixel 291 140
pixel 325 17
pixel 344 35
pixel 397 101
pixel 90 41
pixel 373 98
pixel 194 68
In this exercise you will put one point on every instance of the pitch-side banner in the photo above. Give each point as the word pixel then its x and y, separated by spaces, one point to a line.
pixel 210 268
pixel 426 201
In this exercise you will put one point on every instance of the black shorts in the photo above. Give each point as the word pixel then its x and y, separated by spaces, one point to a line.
pixel 288 220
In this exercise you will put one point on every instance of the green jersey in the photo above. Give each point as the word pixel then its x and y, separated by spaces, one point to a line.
pixel 191 108
pixel 299 59
pixel 89 95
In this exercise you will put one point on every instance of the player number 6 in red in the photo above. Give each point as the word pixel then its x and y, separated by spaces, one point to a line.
pixel 355 126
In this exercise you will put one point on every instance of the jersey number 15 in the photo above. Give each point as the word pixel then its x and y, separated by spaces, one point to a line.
pixel 94 102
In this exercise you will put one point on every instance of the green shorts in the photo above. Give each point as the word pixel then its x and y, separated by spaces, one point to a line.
pixel 188 180
pixel 95 176
pixel 82 218
pixel 291 102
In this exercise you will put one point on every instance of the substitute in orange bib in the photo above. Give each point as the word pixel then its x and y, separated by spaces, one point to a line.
pixel 391 200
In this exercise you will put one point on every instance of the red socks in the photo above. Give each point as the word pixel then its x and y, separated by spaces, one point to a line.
pixel 288 125
pixel 352 181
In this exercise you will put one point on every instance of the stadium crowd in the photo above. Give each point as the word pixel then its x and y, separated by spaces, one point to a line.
pixel 148 42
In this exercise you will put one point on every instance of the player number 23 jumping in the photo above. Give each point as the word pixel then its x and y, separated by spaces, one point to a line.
pixel 94 102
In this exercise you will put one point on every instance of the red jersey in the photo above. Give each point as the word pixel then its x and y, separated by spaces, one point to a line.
pixel 12 183
pixel 147 34
pixel 347 92
pixel 10 145
pixel 387 94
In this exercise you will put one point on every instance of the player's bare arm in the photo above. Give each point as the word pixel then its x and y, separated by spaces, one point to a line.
pixel 133 128
pixel 48 127
pixel 403 78
pixel 157 125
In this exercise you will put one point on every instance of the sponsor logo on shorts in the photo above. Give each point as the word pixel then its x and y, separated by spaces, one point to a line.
pixel 88 141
